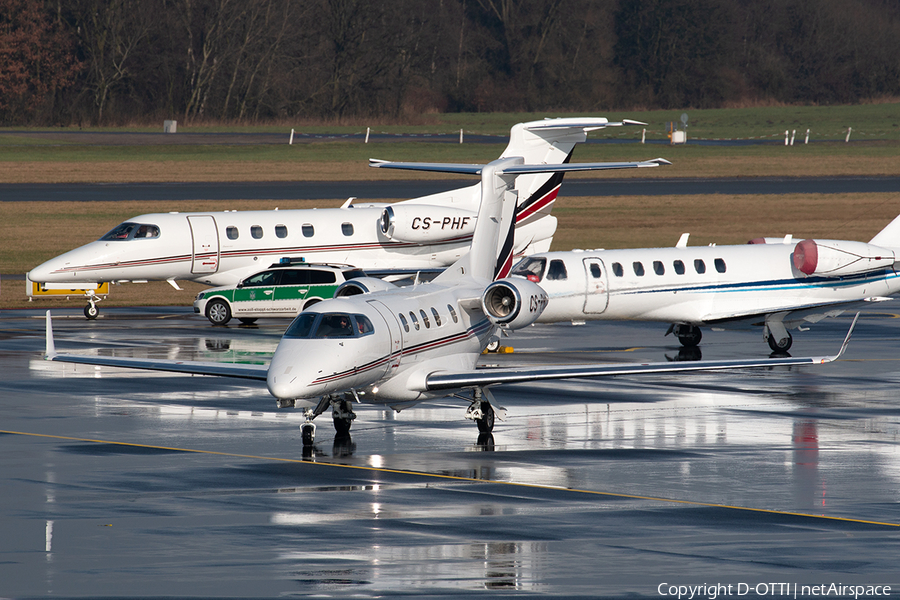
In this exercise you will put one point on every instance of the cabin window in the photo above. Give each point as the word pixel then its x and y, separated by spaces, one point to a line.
pixel 638 268
pixel 121 232
pixel 699 266
pixel 146 231
pixel 658 267
pixel 256 231
pixel 557 271
pixel 425 319
pixel 452 314
pixel 437 317
pixel 531 268
pixel 415 321
pixel 403 320
pixel 720 265
pixel 618 270
pixel 232 232
pixel 281 231
pixel 308 230
pixel 679 267
pixel 347 228
pixel 595 271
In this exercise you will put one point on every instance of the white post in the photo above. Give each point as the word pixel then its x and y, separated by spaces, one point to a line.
pixel 793 135
pixel 849 129
pixel 367 135
pixel 291 143
pixel 460 136
pixel 644 136
pixel 806 141
pixel 786 132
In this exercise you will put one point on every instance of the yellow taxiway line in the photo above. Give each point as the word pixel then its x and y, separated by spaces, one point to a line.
pixel 457 478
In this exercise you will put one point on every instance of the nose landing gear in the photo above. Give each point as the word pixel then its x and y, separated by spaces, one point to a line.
pixel 341 412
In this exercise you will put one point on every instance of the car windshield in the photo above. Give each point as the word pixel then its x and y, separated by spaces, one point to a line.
pixel 329 325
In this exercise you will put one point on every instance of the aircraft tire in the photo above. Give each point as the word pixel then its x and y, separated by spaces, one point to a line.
pixel 691 338
pixel 91 311
pixel 342 426
pixel 486 423
pixel 493 346
pixel 784 346
pixel 308 434
pixel 218 312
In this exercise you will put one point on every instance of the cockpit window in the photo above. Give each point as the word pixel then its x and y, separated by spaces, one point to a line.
pixel 146 231
pixel 121 232
pixel 129 231
pixel 329 325
pixel 531 268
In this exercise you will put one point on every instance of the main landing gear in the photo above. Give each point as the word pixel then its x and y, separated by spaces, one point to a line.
pixel 688 335
pixel 482 412
pixel 341 413
pixel 777 335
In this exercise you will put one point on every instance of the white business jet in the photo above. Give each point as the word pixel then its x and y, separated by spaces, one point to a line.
pixel 381 344
pixel 222 248
pixel 775 283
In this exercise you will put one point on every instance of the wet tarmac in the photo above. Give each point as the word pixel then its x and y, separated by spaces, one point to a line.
pixel 121 483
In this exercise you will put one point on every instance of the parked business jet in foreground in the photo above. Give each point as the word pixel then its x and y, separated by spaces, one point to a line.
pixel 223 248
pixel 775 283
pixel 382 344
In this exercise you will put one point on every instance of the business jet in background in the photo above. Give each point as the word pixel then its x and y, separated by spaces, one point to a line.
pixel 222 248
pixel 776 283
pixel 381 344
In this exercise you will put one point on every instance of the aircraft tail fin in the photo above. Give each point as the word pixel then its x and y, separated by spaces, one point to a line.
pixel 889 236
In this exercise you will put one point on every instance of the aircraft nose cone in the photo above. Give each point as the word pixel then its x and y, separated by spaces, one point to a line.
pixel 288 376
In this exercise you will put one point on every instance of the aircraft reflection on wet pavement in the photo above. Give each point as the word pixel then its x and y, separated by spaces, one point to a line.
pixel 382 344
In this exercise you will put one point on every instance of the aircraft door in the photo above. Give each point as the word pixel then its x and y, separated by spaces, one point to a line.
pixel 205 244
pixel 596 295
pixel 396 333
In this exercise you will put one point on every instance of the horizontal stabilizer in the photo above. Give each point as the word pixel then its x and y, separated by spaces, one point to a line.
pixel 465 169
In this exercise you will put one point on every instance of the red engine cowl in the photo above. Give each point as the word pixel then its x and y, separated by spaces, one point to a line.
pixel 420 223
pixel 513 303
pixel 836 258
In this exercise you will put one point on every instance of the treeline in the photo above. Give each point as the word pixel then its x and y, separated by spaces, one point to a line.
pixel 107 62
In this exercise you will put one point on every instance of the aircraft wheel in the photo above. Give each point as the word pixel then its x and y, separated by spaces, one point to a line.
pixel 691 337
pixel 782 345
pixel 247 321
pixel 486 422
pixel 91 311
pixel 308 434
pixel 342 426
pixel 218 312
pixel 493 346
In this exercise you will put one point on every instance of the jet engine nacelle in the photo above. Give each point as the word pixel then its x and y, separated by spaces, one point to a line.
pixel 513 303
pixel 836 258
pixel 362 285
pixel 421 223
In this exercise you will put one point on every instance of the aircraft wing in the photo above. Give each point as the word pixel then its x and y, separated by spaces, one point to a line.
pixel 256 372
pixel 466 169
pixel 446 380
pixel 790 310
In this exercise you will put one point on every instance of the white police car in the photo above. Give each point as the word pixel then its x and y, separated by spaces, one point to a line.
pixel 282 290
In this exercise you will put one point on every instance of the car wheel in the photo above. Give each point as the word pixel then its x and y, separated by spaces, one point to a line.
pixel 218 312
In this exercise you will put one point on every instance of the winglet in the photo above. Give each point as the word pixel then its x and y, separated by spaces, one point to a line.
pixel 846 342
pixel 50 352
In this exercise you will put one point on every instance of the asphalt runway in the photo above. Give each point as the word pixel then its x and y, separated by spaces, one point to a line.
pixel 121 483
pixel 379 190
